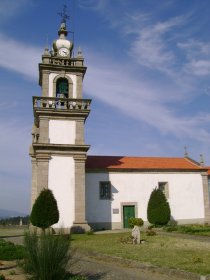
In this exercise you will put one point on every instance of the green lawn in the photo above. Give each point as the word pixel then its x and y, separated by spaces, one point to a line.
pixel 12 231
pixel 165 251
pixel 9 251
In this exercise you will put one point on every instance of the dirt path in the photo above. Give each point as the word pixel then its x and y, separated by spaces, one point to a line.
pixel 102 268
pixel 96 268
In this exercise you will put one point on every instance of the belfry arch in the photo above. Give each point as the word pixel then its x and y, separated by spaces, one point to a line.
pixel 65 83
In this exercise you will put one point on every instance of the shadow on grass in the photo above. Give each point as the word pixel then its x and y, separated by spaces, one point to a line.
pixel 88 276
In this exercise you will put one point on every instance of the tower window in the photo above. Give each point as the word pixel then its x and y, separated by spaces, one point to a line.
pixel 105 190
pixel 62 88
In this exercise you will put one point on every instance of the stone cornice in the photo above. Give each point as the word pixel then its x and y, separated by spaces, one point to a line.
pixel 40 148
pixel 146 171
pixel 60 68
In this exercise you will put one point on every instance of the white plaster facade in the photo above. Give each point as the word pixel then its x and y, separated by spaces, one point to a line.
pixel 134 188
pixel 62 183
pixel 62 131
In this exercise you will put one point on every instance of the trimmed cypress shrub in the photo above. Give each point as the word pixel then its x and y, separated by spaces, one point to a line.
pixel 158 209
pixel 45 210
pixel 135 222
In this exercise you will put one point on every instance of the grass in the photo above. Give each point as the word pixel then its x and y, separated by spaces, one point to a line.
pixel 164 251
pixel 191 229
pixel 47 255
pixel 12 231
pixel 9 251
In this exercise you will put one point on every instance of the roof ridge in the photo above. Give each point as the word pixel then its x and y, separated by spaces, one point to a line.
pixel 194 162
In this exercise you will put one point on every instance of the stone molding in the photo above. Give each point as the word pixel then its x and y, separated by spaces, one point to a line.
pixel 144 171
pixel 206 196
pixel 135 204
pixel 68 149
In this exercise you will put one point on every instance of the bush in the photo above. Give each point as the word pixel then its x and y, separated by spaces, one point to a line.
pixel 135 222
pixel 158 209
pixel 151 232
pixel 2 277
pixel 45 210
pixel 47 255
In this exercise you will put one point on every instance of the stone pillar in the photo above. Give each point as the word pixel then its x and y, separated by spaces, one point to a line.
pixel 80 223
pixel 79 86
pixel 206 197
pixel 42 172
pixel 44 130
pixel 33 181
pixel 79 132
pixel 45 83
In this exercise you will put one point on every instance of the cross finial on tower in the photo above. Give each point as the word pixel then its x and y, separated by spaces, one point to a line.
pixel 202 160
pixel 63 14
pixel 185 151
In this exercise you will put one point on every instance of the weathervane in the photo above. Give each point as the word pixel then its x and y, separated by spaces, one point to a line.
pixel 63 14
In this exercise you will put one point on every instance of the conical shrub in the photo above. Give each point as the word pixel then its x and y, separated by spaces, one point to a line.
pixel 158 209
pixel 45 210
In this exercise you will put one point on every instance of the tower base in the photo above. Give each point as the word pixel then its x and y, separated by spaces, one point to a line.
pixel 80 227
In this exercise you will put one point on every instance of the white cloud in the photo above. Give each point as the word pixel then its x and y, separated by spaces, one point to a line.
pixel 22 59
pixel 197 56
pixel 152 48
pixel 140 100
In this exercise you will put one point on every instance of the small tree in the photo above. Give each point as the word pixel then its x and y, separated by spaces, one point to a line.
pixel 158 209
pixel 45 210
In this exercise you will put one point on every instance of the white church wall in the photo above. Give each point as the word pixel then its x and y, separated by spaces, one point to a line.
pixel 62 131
pixel 51 78
pixel 61 182
pixel 185 195
pixel 73 78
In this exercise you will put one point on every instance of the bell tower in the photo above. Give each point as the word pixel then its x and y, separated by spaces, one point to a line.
pixel 58 151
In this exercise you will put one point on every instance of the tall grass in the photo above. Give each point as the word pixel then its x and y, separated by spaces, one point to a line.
pixel 47 255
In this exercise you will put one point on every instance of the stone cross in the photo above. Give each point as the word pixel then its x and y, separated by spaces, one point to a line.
pixel 136 235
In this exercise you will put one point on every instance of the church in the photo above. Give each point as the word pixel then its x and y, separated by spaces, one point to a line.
pixel 100 192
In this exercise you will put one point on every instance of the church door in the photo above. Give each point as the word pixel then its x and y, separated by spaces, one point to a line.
pixel 128 212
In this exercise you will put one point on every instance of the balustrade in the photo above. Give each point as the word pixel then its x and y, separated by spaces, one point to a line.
pixel 66 62
pixel 61 103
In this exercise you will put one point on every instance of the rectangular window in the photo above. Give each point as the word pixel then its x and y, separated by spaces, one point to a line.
pixel 163 186
pixel 105 190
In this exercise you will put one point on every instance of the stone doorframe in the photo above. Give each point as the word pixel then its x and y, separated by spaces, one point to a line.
pixel 135 204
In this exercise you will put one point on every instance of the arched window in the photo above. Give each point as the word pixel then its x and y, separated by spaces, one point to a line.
pixel 62 88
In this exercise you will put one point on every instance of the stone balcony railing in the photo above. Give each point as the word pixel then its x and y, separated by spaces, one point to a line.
pixel 63 61
pixel 61 103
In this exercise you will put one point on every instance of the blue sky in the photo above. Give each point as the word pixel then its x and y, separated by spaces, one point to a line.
pixel 148 76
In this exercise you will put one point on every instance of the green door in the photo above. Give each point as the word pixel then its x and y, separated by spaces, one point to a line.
pixel 128 212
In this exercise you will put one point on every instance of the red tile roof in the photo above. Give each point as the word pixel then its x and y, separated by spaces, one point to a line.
pixel 208 170
pixel 143 163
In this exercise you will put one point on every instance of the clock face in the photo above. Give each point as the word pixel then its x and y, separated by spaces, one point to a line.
pixel 63 52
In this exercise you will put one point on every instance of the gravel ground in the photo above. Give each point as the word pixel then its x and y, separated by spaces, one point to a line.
pixel 106 268
pixel 103 268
